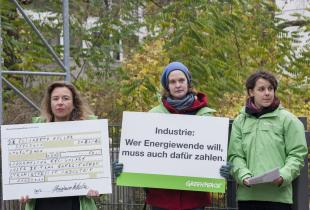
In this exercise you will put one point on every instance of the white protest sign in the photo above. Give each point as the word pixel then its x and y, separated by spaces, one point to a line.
pixel 55 159
pixel 173 151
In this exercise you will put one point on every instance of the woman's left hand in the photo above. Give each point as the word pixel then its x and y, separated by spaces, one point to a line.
pixel 278 181
pixel 92 193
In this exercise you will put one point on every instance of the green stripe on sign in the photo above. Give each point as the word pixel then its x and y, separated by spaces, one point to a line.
pixel 171 182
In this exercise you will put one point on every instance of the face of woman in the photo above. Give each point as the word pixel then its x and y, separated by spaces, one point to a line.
pixel 263 93
pixel 178 85
pixel 61 103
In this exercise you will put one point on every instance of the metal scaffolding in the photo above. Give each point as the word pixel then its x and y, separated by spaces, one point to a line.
pixel 65 64
pixel 1 63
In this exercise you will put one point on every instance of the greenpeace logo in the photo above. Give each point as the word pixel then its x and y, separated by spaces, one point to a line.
pixel 190 183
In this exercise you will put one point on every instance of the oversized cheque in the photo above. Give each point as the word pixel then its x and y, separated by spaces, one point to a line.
pixel 173 151
pixel 55 159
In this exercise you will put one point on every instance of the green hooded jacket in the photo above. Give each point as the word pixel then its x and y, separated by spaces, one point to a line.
pixel 85 202
pixel 257 145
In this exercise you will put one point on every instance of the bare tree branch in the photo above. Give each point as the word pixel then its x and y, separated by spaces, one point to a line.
pixel 157 4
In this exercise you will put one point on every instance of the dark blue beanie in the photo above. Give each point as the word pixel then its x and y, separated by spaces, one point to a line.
pixel 171 67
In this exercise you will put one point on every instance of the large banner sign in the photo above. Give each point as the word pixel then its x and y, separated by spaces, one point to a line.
pixel 173 151
pixel 55 159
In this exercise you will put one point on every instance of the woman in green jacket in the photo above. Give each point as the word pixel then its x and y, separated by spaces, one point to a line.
pixel 62 102
pixel 265 136
pixel 178 97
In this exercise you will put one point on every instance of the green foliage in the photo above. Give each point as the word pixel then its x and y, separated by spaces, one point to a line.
pixel 21 47
pixel 113 24
pixel 222 42
pixel 102 98
pixel 140 85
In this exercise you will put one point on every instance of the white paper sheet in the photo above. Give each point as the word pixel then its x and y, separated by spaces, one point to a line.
pixel 268 176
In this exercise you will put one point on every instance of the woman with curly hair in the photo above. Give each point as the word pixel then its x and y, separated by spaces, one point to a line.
pixel 62 102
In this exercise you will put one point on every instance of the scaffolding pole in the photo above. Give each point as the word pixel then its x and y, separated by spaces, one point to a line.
pixel 16 90
pixel 39 73
pixel 1 107
pixel 1 64
pixel 66 38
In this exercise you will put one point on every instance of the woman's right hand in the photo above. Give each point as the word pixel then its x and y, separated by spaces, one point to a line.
pixel 246 182
pixel 24 199
pixel 92 193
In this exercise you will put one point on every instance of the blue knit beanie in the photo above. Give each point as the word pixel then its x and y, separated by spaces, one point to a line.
pixel 171 67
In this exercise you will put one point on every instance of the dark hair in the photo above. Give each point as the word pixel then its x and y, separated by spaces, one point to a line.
pixel 81 110
pixel 251 81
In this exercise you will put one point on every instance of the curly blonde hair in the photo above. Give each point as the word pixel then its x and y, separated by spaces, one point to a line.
pixel 81 110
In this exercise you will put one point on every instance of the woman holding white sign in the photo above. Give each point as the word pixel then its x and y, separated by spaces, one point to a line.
pixel 265 137
pixel 179 97
pixel 62 102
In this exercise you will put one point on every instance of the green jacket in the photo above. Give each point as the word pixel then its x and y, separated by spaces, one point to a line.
pixel 205 111
pixel 85 202
pixel 41 120
pixel 275 139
